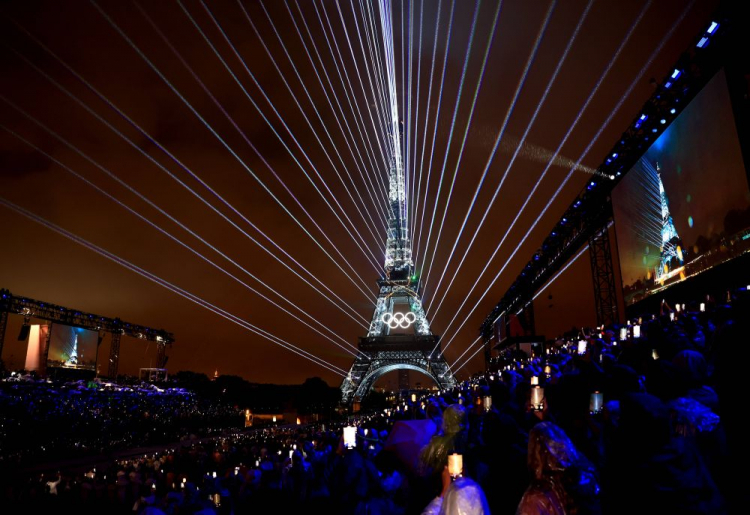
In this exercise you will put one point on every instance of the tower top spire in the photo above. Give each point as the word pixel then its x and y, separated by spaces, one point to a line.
pixel 398 261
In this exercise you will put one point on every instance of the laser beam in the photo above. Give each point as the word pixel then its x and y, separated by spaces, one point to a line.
pixel 466 131
pixel 187 295
pixel 375 203
pixel 229 148
pixel 434 134
pixel 364 137
pixel 498 140
pixel 588 147
pixel 182 166
pixel 167 215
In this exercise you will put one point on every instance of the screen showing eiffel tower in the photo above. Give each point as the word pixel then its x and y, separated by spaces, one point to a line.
pixel 685 206
pixel 72 347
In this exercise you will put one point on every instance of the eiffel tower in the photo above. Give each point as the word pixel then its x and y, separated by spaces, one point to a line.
pixel 399 336
pixel 671 259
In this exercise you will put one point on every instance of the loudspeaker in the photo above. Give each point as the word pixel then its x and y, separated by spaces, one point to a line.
pixel 24 334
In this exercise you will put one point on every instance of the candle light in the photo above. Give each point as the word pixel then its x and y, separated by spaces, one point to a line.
pixel 547 369
pixel 534 380
pixel 455 465
pixel 623 333
pixel 214 475
pixel 537 398
pixel 274 419
pixel 414 397
pixel 703 306
pixel 596 402
pixel 487 400
pixel 582 347
pixel 671 317
pixel 291 453
pixel 636 331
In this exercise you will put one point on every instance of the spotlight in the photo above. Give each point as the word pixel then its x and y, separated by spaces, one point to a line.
pixel 676 74
pixel 703 42
pixel 653 130
pixel 713 27
pixel 663 121
pixel 672 111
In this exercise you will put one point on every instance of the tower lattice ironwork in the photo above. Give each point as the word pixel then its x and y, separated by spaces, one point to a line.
pixel 671 261
pixel 399 336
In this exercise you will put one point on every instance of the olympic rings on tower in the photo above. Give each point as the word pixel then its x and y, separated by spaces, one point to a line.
pixel 397 320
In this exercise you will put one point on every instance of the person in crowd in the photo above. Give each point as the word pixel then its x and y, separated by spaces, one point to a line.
pixel 563 481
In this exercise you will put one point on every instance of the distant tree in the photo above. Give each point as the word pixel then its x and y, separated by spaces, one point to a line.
pixel 232 388
pixel 736 221
pixel 703 244
pixel 193 381
pixel 315 396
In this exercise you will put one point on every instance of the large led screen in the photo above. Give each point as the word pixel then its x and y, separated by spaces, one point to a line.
pixel 72 347
pixel 685 206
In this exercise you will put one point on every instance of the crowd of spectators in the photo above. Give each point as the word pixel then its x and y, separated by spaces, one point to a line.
pixel 45 420
pixel 648 423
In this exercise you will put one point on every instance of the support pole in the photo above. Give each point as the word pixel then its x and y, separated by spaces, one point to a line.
pixel 114 355
pixel 46 347
pixel 3 325
pixel 487 350
pixel 161 354
pixel 603 275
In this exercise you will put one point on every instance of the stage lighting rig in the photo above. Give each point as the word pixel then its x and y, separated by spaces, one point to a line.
pixel 591 210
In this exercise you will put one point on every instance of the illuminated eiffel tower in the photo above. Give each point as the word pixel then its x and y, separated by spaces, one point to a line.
pixel 399 336
pixel 672 259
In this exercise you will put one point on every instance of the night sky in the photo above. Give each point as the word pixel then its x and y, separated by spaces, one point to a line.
pixel 338 147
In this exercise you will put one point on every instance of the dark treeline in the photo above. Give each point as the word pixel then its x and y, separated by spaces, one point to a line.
pixel 312 396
